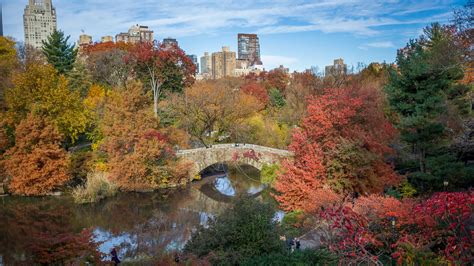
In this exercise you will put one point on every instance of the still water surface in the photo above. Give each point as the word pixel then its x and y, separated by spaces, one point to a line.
pixel 136 224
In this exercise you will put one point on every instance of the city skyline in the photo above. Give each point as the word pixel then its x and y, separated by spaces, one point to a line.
pixel 296 34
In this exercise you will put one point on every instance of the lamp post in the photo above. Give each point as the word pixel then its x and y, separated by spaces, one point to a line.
pixel 445 184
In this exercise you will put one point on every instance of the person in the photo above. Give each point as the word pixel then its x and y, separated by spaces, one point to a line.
pixel 298 244
pixel 176 257
pixel 115 258
pixel 292 245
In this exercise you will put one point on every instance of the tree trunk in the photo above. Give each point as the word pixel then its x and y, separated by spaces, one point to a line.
pixel 422 160
pixel 155 105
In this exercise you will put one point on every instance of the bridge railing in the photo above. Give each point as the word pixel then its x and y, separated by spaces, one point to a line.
pixel 254 147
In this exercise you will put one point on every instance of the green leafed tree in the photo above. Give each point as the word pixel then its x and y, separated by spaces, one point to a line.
pixel 425 93
pixel 59 53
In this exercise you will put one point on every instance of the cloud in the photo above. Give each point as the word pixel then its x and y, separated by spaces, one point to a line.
pixel 197 17
pixel 386 44
pixel 273 61
pixel 380 44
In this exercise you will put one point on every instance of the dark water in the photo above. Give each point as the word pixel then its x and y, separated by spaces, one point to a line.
pixel 138 225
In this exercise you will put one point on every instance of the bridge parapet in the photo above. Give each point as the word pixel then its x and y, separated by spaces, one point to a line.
pixel 250 154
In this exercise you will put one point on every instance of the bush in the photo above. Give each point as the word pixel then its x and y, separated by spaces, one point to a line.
pixel 269 173
pixel 243 231
pixel 97 188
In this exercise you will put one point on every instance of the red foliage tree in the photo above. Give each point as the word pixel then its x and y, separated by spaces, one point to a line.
pixel 161 68
pixel 277 79
pixel 341 145
pixel 430 232
pixel 444 223
pixel 36 164
pixel 256 90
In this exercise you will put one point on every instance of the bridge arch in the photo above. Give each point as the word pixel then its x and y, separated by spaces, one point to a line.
pixel 254 155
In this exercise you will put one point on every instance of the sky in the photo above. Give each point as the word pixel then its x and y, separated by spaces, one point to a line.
pixel 297 34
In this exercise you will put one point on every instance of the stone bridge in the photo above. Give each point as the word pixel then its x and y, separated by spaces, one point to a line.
pixel 254 155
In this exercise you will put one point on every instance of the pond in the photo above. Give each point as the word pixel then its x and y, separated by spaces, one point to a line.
pixel 138 225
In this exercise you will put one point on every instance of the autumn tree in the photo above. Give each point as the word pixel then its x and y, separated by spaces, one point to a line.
pixel 262 130
pixel 138 153
pixel 59 53
pixel 39 89
pixel 106 63
pixel 161 69
pixel 37 164
pixel 209 111
pixel 378 229
pixel 8 62
pixel 341 147
pixel 256 90
pixel 277 79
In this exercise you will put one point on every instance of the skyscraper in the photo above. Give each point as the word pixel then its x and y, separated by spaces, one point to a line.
pixel 249 48
pixel 223 63
pixel 39 21
pixel 194 59
pixel 206 64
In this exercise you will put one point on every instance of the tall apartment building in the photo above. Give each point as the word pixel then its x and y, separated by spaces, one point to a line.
pixel 337 69
pixel 206 64
pixel 169 42
pixel 84 39
pixel 106 39
pixel 135 34
pixel 249 48
pixel 39 21
pixel 194 59
pixel 223 63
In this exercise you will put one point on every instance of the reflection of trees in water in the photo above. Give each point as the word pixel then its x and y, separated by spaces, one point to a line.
pixel 35 231
pixel 140 224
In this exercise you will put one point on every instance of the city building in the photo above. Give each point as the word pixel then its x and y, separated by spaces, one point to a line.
pixel 135 34
pixel 206 65
pixel 107 39
pixel 194 59
pixel 223 63
pixel 1 20
pixel 169 42
pixel 84 39
pixel 39 22
pixel 249 48
pixel 337 69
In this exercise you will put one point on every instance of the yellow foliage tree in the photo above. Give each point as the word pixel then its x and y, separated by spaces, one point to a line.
pixel 39 89
pixel 265 131
pixel 8 62
pixel 209 111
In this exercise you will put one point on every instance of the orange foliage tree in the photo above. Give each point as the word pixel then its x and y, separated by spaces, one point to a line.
pixel 256 90
pixel 36 164
pixel 138 152
pixel 340 146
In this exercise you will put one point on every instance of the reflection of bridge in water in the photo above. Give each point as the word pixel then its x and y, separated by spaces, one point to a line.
pixel 246 154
